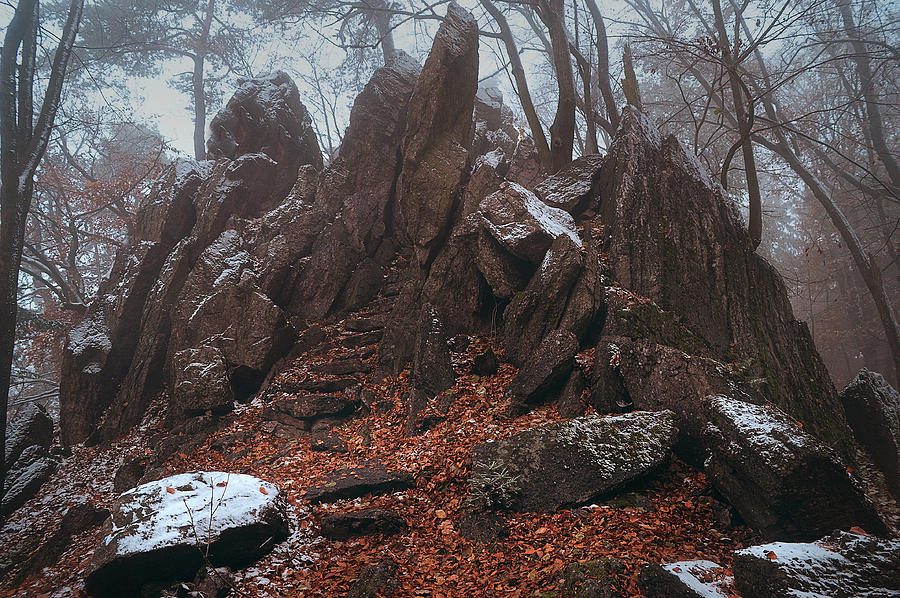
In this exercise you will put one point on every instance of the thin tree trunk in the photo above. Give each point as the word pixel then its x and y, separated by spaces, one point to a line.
pixel 751 176
pixel 562 131
pixel 21 150
pixel 382 19
pixel 603 79
pixel 515 61
pixel 199 86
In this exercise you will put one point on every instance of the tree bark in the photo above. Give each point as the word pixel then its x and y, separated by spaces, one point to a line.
pixel 198 83
pixel 603 81
pixel 21 149
pixel 515 61
pixel 562 131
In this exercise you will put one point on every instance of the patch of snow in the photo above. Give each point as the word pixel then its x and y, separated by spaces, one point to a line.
pixel 90 333
pixel 765 427
pixel 690 573
pixel 492 159
pixel 190 507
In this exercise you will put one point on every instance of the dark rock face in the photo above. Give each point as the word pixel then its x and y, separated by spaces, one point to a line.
pixel 702 269
pixel 353 483
pixel 684 579
pixel 432 370
pixel 570 399
pixel 78 519
pixel 439 132
pixel 872 407
pixel 265 116
pixel 574 187
pixel 340 526
pixel 840 565
pixel 151 538
pixel 571 463
pixel 485 363
pixel 592 579
pixel 781 480
pixel 544 370
pixel 31 427
pixel 25 477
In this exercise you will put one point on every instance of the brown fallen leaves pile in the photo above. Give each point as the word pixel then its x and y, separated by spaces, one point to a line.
pixel 434 560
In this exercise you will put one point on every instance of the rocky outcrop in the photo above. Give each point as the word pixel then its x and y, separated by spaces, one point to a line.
pixel 439 133
pixel 31 427
pixel 341 526
pixel 544 371
pixel 570 463
pixel 159 531
pixel 782 481
pixel 840 565
pixel 673 237
pixel 28 472
pixel 873 412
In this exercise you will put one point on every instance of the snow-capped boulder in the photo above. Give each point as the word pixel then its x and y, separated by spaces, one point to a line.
pixel 523 224
pixel 570 463
pixel 873 412
pixel 685 579
pixel 159 531
pixel 841 565
pixel 784 482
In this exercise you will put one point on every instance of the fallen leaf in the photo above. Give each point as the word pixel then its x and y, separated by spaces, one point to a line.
pixel 263 490
pixel 771 555
pixel 170 490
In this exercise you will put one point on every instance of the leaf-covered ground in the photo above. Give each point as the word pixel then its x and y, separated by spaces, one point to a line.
pixel 434 560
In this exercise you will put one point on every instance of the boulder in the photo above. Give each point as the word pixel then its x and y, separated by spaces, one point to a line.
pixel 571 463
pixel 265 115
pixel 574 187
pixel 432 370
pixel 872 407
pixel 592 579
pixel 570 398
pixel 376 580
pixel 841 565
pixel 783 482
pixel 32 426
pixel 439 133
pixel 360 481
pixel 565 293
pixel 26 476
pixel 485 363
pixel 159 531
pixel 341 526
pixel 312 407
pixel 523 224
pixel 544 371
pixel 685 579
pixel 504 273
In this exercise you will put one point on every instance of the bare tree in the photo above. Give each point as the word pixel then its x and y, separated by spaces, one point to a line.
pixel 22 145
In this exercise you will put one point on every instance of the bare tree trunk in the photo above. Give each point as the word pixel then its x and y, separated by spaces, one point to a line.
pixel 751 176
pixel 21 150
pixel 381 15
pixel 199 86
pixel 562 131
pixel 603 79
pixel 864 70
pixel 515 61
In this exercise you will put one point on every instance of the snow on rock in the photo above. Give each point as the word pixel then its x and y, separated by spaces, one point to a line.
pixel 838 566
pixel 90 336
pixel 159 530
pixel 523 224
pixel 685 579
pixel 784 482
pixel 573 462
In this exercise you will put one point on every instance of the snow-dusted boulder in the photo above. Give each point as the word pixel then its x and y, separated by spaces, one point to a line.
pixel 685 579
pixel 842 565
pixel 784 482
pixel 574 187
pixel 159 531
pixel 572 462
pixel 26 476
pixel 523 224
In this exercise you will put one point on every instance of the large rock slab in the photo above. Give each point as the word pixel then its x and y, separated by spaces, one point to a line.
pixel 158 531
pixel 31 427
pixel 873 412
pixel 783 482
pixel 359 481
pixel 544 371
pixel 574 187
pixel 571 463
pixel 673 237
pixel 28 473
pixel 685 579
pixel 841 565
pixel 439 132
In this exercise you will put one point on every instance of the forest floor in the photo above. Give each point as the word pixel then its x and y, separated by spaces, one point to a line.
pixel 679 523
